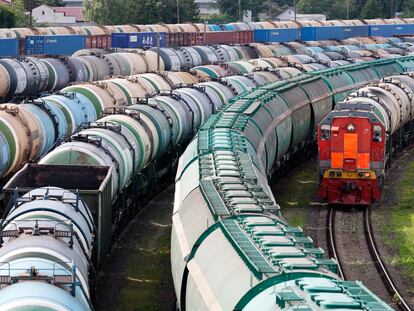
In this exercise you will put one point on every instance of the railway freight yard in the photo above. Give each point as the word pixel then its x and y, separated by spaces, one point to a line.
pixel 184 160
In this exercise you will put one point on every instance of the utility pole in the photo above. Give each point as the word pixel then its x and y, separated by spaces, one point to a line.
pixel 31 13
pixel 294 9
pixel 106 11
pixel 240 14
pixel 347 9
pixel 178 12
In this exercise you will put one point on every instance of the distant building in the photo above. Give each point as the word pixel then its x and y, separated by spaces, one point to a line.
pixel 58 15
pixel 206 7
pixel 289 15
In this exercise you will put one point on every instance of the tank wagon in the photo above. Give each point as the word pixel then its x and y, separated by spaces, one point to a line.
pixel 357 139
pixel 52 118
pixel 140 140
pixel 47 239
pixel 56 248
pixel 31 129
pixel 231 249
pixel 31 76
pixel 132 138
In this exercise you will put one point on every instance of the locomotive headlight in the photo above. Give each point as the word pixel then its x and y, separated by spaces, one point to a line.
pixel 351 127
pixel 367 174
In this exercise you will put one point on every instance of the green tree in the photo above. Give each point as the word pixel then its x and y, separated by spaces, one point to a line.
pixel 408 8
pixel 372 9
pixel 272 8
pixel 8 18
pixel 97 11
pixel 218 19
pixel 53 3
pixel 332 9
pixel 189 11
pixel 19 9
pixel 231 7
pixel 314 6
pixel 342 9
pixel 140 12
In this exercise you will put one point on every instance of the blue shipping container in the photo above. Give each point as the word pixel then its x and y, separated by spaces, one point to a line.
pixel 354 31
pixel 275 35
pixel 321 33
pixel 135 40
pixel 9 47
pixel 404 29
pixel 382 30
pixel 54 44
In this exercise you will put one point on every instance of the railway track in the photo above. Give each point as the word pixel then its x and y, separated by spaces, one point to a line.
pixel 351 242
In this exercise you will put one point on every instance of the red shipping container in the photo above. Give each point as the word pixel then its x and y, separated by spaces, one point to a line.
pixel 228 37
pixel 98 41
pixel 201 38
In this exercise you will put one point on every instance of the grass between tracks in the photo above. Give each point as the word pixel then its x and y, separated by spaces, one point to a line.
pixel 398 231
pixel 148 283
pixel 295 192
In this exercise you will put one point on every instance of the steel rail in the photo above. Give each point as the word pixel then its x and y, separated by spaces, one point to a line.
pixel 382 269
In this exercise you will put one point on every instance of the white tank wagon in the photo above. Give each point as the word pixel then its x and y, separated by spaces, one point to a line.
pixel 55 117
pixel 231 249
pixel 45 255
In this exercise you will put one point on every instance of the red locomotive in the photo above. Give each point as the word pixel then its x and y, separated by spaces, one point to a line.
pixel 348 143
pixel 357 138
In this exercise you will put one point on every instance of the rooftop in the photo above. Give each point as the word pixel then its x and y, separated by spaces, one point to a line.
pixel 77 12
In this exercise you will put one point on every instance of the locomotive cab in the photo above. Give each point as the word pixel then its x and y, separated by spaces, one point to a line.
pixel 351 144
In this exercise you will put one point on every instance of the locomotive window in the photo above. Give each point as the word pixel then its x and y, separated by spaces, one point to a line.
pixel 377 134
pixel 325 132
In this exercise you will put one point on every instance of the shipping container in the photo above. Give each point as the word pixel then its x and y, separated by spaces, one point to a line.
pixel 92 182
pixel 246 37
pixel 382 30
pixel 9 47
pixel 228 37
pixel 184 39
pixel 404 29
pixel 321 33
pixel 98 42
pixel 135 40
pixel 354 31
pixel 175 39
pixel 276 35
pixel 54 44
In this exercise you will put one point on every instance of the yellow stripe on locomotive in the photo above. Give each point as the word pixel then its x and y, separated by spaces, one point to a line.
pixel 341 174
